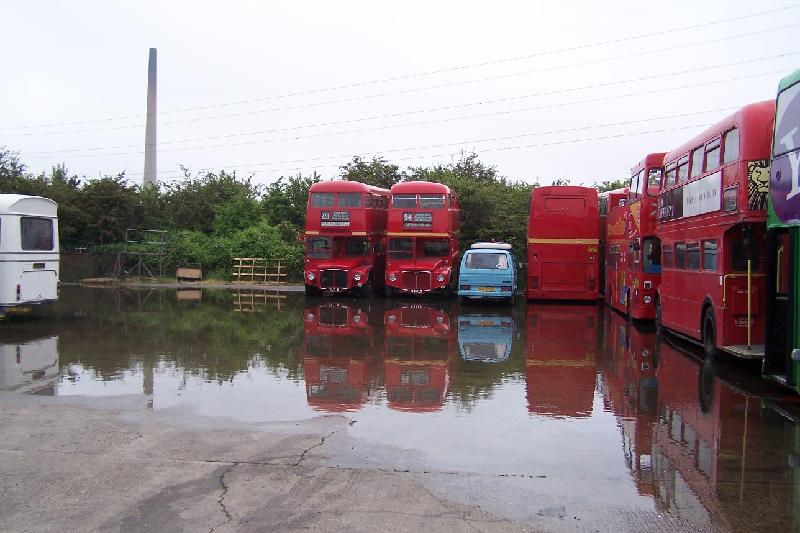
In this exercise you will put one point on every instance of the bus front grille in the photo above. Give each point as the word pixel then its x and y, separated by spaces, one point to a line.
pixel 333 279
pixel 416 280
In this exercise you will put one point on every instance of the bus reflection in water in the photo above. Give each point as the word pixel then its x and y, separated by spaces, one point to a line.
pixel 27 360
pixel 630 391
pixel 715 452
pixel 420 342
pixel 560 366
pixel 486 337
pixel 337 362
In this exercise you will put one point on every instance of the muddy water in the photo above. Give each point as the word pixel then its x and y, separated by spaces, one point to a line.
pixel 572 399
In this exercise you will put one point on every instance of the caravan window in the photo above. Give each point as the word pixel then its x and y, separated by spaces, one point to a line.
pixel 37 233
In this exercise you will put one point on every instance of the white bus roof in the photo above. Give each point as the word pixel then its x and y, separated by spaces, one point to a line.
pixel 490 246
pixel 20 204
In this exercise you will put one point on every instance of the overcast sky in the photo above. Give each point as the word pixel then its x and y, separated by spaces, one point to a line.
pixel 539 89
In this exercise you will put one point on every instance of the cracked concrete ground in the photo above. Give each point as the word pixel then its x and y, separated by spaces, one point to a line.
pixel 80 465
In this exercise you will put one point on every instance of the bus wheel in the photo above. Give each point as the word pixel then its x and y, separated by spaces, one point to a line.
pixel 709 334
pixel 388 291
pixel 311 290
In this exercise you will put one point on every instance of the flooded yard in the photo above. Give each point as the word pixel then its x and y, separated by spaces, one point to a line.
pixel 550 417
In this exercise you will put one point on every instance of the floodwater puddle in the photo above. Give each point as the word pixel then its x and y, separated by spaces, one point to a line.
pixel 567 395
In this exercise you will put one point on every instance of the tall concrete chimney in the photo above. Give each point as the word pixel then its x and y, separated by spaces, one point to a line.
pixel 150 142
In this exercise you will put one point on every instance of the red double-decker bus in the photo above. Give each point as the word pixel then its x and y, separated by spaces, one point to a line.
pixel 606 202
pixel 338 364
pixel 712 225
pixel 423 231
pixel 634 256
pixel 345 237
pixel 420 344
pixel 563 243
pixel 560 359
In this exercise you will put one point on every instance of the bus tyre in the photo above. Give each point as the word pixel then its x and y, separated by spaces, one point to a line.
pixel 709 334
pixel 388 291
pixel 311 290
pixel 628 305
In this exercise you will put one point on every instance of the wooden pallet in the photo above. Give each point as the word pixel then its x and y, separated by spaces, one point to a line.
pixel 259 270
pixel 256 301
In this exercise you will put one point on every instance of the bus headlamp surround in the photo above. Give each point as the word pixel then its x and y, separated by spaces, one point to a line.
pixel 310 276
pixel 440 278
pixel 357 276
pixel 392 277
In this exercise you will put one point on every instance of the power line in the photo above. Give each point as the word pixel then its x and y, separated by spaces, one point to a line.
pixel 433 72
pixel 395 115
pixel 498 149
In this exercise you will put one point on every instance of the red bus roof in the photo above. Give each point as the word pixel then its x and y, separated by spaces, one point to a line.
pixel 567 190
pixel 754 122
pixel 345 186
pixel 419 187
pixel 650 160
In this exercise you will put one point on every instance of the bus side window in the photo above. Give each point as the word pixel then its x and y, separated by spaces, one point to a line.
pixel 693 256
pixel 731 146
pixel 680 255
pixel 683 169
pixel 652 255
pixel 367 200
pixel 697 162
pixel 712 155
pixel 671 176
pixel 710 255
pixel 654 180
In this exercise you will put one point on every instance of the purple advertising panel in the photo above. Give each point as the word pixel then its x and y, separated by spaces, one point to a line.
pixel 784 183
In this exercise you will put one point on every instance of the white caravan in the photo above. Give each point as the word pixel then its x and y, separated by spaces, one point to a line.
pixel 28 251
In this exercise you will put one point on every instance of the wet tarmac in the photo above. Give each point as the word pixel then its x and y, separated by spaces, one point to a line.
pixel 553 416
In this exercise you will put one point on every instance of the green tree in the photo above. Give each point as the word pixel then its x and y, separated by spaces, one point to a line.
pixel 377 172
pixel 286 198
pixel 610 185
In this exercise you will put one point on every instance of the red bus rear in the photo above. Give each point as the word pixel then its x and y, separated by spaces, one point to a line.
pixel 345 237
pixel 606 202
pixel 635 254
pixel 712 225
pixel 423 229
pixel 563 240
pixel 560 366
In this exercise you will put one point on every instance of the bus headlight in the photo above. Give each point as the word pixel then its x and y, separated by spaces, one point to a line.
pixel 310 317
pixel 392 277
pixel 310 276
pixel 440 278
pixel 647 299
pixel 357 276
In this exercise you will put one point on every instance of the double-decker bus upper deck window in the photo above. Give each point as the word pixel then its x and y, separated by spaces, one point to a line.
pixel 730 146
pixel 672 174
pixel 319 247
pixel 368 200
pixel 666 256
pixel 37 233
pixel 491 261
pixel 565 204
pixel 683 169
pixel 710 256
pixel 349 199
pixel 602 205
pixel 401 248
pixel 697 162
pixel 431 201
pixel 680 255
pixel 654 176
pixel 712 155
pixel 356 247
pixel 404 200
pixel 436 248
pixel 693 256
pixel 652 255
pixel 321 199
